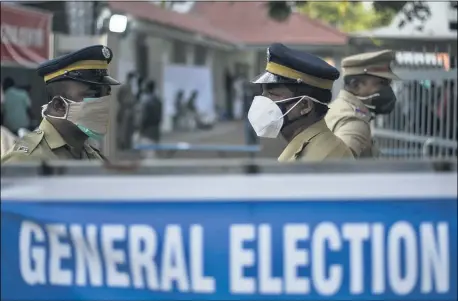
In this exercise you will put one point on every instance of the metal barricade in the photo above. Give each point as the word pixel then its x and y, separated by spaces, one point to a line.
pixel 424 122
pixel 176 167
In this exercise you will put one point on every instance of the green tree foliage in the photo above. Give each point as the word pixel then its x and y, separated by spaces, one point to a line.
pixel 351 15
pixel 347 16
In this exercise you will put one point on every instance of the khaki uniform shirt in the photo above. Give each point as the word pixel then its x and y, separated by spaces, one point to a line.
pixel 7 140
pixel 316 143
pixel 349 119
pixel 46 143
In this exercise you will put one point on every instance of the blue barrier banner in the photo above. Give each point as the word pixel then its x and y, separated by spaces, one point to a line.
pixel 243 249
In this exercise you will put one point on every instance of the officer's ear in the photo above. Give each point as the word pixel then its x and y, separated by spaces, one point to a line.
pixel 354 83
pixel 306 106
pixel 57 105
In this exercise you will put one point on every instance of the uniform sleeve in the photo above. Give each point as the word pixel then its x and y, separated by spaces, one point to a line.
pixel 356 134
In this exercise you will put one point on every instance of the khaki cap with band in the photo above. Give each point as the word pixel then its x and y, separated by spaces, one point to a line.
pixel 372 63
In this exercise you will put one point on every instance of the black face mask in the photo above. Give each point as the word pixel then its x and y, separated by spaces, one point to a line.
pixel 286 120
pixel 382 102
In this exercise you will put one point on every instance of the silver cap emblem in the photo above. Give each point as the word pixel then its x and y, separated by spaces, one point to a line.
pixel 106 52
pixel 268 55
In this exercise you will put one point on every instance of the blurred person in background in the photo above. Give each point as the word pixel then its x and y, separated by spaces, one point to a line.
pixel 203 120
pixel 192 116
pixel 192 102
pixel 228 113
pixel 367 92
pixel 16 107
pixel 34 122
pixel 140 98
pixel 179 110
pixel 78 88
pixel 126 102
pixel 296 89
pixel 151 115
pixel 238 97
pixel 140 88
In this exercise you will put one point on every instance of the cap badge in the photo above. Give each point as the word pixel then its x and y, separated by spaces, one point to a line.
pixel 106 52
pixel 268 55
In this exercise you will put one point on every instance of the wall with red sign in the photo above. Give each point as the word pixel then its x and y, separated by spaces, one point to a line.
pixel 25 36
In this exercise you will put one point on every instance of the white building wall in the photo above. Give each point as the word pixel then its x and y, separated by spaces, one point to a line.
pixel 159 50
pixel 126 55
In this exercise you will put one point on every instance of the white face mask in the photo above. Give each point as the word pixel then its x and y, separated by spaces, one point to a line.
pixel 90 115
pixel 267 118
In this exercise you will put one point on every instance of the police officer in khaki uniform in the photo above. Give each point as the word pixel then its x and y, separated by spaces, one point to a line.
pixel 296 89
pixel 367 92
pixel 78 88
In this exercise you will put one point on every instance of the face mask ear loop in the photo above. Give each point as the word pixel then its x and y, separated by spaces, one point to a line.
pixel 43 110
pixel 368 97
pixel 290 109
pixel 302 97
pixel 288 99
pixel 370 107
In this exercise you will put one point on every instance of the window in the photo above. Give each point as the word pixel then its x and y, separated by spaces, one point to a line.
pixel 179 52
pixel 200 55
pixel 242 70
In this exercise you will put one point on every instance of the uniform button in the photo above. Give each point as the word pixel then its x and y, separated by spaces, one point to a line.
pixel 39 131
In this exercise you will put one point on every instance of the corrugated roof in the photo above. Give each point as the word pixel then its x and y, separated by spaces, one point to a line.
pixel 186 22
pixel 251 24
pixel 237 22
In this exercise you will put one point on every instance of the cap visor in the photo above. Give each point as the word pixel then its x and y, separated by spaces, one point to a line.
pixel 108 80
pixel 270 78
pixel 105 80
pixel 388 75
pixel 395 77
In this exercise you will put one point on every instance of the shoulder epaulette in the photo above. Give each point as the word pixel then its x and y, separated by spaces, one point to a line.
pixel 29 142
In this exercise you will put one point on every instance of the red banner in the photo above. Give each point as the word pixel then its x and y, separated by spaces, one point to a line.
pixel 25 35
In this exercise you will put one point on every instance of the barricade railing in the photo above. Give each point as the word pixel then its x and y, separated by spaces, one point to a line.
pixel 424 122
pixel 221 167
pixel 168 150
pixel 398 144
